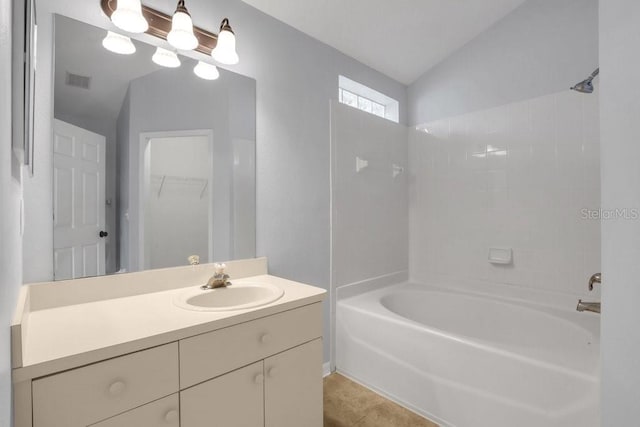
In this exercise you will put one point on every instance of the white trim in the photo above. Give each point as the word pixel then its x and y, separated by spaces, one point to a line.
pixel 397 400
pixel 371 284
pixel 143 185
pixel 326 369
pixel 332 290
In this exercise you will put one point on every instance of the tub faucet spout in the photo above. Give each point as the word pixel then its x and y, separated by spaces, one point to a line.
pixel 593 307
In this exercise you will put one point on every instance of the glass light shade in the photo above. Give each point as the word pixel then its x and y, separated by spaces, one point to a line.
pixel 128 16
pixel 117 43
pixel 181 35
pixel 206 71
pixel 225 50
pixel 166 58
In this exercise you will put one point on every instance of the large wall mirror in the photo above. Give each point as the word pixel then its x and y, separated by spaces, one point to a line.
pixel 151 164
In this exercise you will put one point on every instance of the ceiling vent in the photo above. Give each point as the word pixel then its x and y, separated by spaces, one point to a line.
pixel 76 80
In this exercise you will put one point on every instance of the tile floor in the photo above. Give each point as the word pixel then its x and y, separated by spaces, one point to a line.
pixel 348 404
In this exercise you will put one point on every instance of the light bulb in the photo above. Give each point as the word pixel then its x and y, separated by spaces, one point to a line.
pixel 206 71
pixel 225 50
pixel 181 35
pixel 118 43
pixel 166 58
pixel 128 16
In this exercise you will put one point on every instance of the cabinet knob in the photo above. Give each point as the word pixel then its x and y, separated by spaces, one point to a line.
pixel 273 372
pixel 258 379
pixel 116 388
pixel 171 416
pixel 265 338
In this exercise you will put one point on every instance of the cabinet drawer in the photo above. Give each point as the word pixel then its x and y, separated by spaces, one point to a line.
pixel 92 393
pixel 209 355
pixel 161 413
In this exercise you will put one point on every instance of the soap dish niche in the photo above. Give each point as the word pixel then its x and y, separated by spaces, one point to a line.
pixel 500 256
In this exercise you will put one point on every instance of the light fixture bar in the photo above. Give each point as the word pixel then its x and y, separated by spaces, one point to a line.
pixel 160 26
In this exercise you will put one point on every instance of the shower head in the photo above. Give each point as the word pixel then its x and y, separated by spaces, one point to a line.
pixel 586 86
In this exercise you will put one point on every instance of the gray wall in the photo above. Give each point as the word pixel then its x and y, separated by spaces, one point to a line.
pixel 540 48
pixel 620 151
pixel 10 241
pixel 370 207
pixel 296 77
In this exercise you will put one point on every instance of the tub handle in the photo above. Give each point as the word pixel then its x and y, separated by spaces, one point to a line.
pixel 596 278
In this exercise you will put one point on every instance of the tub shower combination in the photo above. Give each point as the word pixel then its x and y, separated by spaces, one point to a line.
pixel 474 354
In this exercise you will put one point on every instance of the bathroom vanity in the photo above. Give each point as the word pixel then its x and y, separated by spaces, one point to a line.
pixel 124 351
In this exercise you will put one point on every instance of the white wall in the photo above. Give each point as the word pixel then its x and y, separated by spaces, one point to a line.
pixel 296 76
pixel 516 176
pixel 10 194
pixel 542 47
pixel 177 210
pixel 369 223
pixel 620 133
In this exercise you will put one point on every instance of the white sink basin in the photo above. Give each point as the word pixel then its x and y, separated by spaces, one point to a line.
pixel 239 296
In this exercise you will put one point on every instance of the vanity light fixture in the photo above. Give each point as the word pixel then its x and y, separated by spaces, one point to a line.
pixel 206 71
pixel 178 30
pixel 225 50
pixel 166 58
pixel 181 35
pixel 117 43
pixel 128 16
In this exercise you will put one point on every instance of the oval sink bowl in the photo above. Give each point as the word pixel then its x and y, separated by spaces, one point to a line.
pixel 238 296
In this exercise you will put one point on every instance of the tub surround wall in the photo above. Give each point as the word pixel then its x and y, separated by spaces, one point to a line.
pixel 518 176
pixel 10 195
pixel 540 48
pixel 369 208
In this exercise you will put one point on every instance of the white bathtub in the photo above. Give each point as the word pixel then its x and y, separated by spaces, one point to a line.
pixel 471 358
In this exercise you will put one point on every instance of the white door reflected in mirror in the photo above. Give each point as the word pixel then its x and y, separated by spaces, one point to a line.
pixel 78 202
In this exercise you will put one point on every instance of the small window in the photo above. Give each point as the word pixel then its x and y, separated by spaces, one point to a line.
pixel 364 98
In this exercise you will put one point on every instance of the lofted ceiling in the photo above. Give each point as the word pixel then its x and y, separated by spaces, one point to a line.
pixel 402 39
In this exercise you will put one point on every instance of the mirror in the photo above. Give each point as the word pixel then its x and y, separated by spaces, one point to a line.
pixel 151 164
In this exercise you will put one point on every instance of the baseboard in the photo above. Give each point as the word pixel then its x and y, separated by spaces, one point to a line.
pixel 326 369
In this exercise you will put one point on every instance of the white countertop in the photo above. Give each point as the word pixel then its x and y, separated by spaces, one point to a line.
pixel 64 337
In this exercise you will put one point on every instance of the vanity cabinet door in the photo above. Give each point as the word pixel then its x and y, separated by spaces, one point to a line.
pixel 293 387
pixel 161 413
pixel 93 393
pixel 212 354
pixel 235 399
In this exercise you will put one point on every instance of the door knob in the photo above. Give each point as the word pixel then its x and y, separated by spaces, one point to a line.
pixel 103 234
